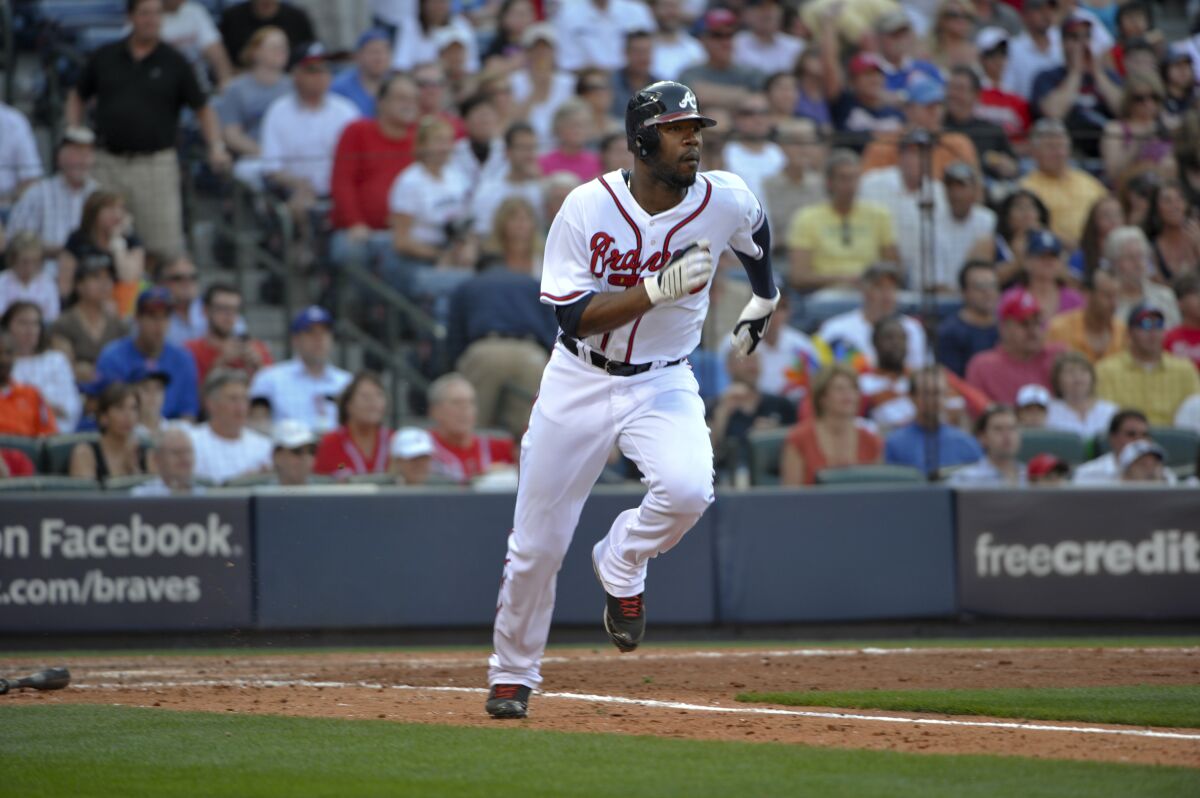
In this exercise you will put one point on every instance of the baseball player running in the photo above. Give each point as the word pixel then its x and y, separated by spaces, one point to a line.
pixel 628 264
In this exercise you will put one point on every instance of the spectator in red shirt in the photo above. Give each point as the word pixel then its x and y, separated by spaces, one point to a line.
pixel 370 153
pixel 222 346
pixel 360 443
pixel 1184 339
pixel 1021 357
pixel 15 463
pixel 459 454
pixel 1009 111
pixel 23 411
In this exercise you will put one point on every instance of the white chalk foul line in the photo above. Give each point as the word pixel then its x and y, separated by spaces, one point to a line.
pixel 646 702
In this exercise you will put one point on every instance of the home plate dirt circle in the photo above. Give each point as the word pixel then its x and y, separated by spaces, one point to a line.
pixel 670 692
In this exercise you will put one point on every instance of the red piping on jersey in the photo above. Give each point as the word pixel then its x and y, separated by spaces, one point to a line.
pixel 564 297
pixel 636 232
pixel 666 249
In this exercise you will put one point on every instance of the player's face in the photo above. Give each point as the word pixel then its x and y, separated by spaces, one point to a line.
pixel 678 160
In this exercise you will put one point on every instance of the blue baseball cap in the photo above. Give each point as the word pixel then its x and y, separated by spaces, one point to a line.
pixel 154 298
pixel 1043 242
pixel 926 92
pixel 310 317
pixel 372 35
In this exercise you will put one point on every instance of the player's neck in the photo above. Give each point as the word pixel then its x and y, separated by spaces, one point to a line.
pixel 652 194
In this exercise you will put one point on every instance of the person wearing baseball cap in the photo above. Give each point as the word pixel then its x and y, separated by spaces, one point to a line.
pixel 411 456
pixel 146 349
pixel 896 42
pixel 997 103
pixel 360 83
pixel 1022 355
pixel 1032 402
pixel 1047 469
pixel 866 107
pixel 720 79
pixel 1143 461
pixel 1043 274
pixel 305 388
pixel 294 447
pixel 1144 376
pixel 1178 73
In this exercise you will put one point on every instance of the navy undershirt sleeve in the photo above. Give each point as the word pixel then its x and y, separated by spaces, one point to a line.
pixel 570 315
pixel 759 269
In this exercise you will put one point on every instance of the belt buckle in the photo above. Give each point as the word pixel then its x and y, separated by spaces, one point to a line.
pixel 609 365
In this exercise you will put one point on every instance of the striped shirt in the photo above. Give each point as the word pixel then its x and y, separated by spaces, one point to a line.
pixel 221 459
pixel 51 373
pixel 50 208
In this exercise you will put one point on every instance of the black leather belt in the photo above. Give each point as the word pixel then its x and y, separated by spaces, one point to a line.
pixel 614 367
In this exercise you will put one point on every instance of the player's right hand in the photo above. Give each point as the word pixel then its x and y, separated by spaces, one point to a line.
pixel 688 271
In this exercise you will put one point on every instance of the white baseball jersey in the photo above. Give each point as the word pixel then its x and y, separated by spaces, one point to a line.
pixel 602 241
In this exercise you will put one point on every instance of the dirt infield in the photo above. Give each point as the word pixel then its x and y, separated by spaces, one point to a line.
pixel 689 692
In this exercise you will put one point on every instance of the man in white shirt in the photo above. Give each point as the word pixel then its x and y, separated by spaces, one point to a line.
pixel 763 45
pixel 674 48
pixel 174 460
pixel 20 163
pixel 187 27
pixel 479 155
pixel 849 334
pixel 591 33
pixel 899 189
pixel 52 207
pixel 225 447
pixel 300 130
pixel 306 387
pixel 1000 438
pixel 1126 428
pixel 1037 49
pixel 751 155
pixel 962 230
pixel 522 178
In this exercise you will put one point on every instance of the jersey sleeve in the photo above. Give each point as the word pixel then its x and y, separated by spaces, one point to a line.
pixel 566 269
pixel 748 210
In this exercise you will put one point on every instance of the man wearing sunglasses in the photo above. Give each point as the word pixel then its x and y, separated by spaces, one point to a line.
pixel 1144 375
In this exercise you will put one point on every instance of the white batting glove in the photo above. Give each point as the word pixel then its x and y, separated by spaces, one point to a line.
pixel 752 324
pixel 688 270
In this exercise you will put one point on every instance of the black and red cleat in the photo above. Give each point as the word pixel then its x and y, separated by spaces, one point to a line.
pixel 625 620
pixel 508 701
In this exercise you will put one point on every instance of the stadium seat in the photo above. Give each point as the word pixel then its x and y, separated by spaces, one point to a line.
pixel 1062 444
pixel 371 479
pixel 48 484
pixel 869 474
pixel 1181 445
pixel 31 447
pixel 766 446
pixel 249 481
pixel 58 450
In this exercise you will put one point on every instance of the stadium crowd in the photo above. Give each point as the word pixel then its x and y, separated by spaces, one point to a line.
pixel 986 214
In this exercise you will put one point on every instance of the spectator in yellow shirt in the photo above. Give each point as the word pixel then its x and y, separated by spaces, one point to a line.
pixel 1068 192
pixel 833 242
pixel 1092 330
pixel 1144 376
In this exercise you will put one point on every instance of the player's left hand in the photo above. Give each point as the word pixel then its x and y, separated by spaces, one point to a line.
pixel 752 324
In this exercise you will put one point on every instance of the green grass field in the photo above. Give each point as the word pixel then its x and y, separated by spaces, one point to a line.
pixel 118 751
pixel 1138 705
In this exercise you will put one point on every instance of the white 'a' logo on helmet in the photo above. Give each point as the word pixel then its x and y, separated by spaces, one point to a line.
pixel 688 101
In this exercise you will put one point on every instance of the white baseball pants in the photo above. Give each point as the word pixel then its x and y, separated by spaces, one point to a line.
pixel 657 419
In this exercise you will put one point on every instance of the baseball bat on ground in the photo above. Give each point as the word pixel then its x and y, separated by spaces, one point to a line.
pixel 49 679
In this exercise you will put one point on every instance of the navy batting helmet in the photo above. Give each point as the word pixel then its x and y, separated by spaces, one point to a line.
pixel 659 104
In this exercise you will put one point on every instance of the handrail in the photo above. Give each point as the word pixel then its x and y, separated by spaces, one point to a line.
pixel 352 270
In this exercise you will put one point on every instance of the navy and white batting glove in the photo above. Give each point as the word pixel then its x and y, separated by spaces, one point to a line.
pixel 687 272
pixel 752 324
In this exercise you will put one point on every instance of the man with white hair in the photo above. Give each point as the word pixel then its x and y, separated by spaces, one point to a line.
pixel 1127 252
pixel 225 447
pixel 174 460
pixel 458 452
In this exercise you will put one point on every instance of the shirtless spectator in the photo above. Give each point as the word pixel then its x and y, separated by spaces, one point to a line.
pixel 461 454
pixel 52 207
pixel 225 447
pixel 1022 355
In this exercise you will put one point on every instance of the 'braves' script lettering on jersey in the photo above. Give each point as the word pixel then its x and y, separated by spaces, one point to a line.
pixel 606 257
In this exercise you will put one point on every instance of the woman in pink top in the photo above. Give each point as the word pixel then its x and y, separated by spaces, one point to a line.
pixel 1044 275
pixel 570 134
